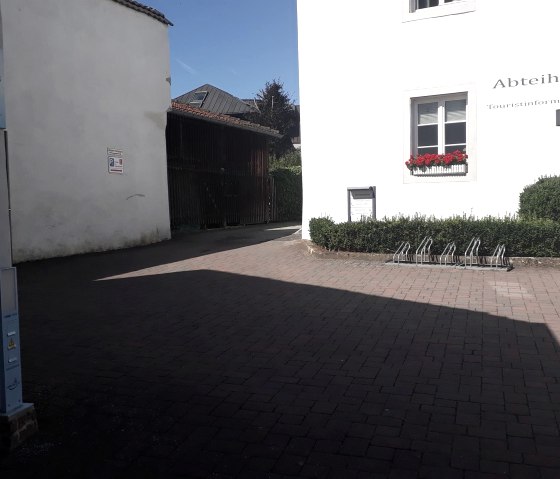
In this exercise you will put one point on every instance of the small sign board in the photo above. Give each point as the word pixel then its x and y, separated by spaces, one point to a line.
pixel 361 203
pixel 115 161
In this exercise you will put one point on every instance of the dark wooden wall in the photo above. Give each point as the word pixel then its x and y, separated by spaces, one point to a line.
pixel 217 175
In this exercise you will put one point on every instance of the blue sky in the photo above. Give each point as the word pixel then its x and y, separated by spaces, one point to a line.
pixel 235 45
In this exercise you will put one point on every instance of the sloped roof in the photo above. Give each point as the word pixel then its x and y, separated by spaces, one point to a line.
pixel 216 101
pixel 256 103
pixel 220 119
pixel 151 12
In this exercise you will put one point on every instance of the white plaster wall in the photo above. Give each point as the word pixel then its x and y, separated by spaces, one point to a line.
pixel 5 244
pixel 82 76
pixel 359 66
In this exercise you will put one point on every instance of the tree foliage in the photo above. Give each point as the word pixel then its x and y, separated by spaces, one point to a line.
pixel 287 160
pixel 277 110
pixel 541 199
pixel 289 197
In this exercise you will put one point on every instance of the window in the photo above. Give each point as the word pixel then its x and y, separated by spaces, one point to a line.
pixel 429 3
pixel 439 124
pixel 198 98
pixel 422 9
pixel 438 121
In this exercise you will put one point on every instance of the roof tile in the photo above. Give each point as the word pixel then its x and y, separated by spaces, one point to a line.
pixel 139 7
pixel 194 112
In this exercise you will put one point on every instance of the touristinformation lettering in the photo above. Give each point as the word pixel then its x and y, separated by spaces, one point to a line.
pixel 524 104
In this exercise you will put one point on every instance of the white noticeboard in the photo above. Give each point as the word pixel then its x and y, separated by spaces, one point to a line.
pixel 361 203
pixel 115 161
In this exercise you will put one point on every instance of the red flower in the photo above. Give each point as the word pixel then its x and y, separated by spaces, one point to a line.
pixel 457 157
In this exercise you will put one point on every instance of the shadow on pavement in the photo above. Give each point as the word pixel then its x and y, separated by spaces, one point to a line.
pixel 209 374
pixel 183 245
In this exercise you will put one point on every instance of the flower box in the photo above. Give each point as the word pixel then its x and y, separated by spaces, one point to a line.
pixel 438 170
pixel 431 164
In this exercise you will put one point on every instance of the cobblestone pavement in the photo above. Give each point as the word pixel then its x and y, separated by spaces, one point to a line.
pixel 236 354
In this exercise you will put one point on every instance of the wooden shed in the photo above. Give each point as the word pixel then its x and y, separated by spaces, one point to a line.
pixel 217 169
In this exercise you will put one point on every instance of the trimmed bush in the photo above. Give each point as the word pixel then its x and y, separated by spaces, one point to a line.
pixel 541 199
pixel 291 158
pixel 287 181
pixel 522 237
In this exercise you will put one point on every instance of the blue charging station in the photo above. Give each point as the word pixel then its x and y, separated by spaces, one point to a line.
pixel 10 362
pixel 18 420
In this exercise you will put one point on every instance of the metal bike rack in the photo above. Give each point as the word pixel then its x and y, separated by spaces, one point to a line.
pixel 472 259
pixel 471 253
pixel 402 252
pixel 423 251
pixel 498 256
pixel 448 254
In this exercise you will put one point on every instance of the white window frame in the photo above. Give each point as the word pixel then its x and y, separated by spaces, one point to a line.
pixel 440 100
pixel 411 98
pixel 411 13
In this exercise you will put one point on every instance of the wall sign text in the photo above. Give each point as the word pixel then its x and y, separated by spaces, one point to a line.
pixel 515 82
pixel 523 104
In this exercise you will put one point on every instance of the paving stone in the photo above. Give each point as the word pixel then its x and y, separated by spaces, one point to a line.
pixel 288 464
pixel 354 446
pixel 315 472
pixel 300 446
pixel 397 473
pixel 521 471
pixel 361 430
pixel 407 459
pixel 435 472
pixel 255 359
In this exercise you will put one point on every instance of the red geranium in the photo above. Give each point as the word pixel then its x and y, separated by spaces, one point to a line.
pixel 428 159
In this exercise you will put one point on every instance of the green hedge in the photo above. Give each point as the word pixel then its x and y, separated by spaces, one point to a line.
pixel 530 237
pixel 541 199
pixel 287 182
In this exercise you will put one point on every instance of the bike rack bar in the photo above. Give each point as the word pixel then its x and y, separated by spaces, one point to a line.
pixel 420 246
pixel 402 252
pixel 398 251
pixel 424 249
pixel 448 253
pixel 502 256
pixel 472 252
pixel 448 257
pixel 498 255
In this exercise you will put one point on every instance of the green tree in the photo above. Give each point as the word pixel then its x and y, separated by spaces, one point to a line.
pixel 278 111
pixel 287 160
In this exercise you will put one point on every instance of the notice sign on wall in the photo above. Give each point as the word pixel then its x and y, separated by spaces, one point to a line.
pixel 361 203
pixel 115 161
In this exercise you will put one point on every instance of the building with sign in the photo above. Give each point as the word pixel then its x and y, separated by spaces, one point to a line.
pixel 86 91
pixel 472 95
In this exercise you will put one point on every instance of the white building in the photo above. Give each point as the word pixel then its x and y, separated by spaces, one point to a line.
pixel 380 81
pixel 84 81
